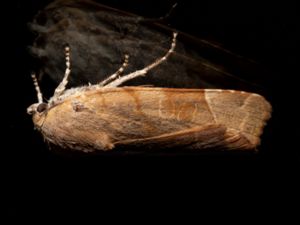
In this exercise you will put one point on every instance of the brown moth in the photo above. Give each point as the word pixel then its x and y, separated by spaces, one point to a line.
pixel 104 116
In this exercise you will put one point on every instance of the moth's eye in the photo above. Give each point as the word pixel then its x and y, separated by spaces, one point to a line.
pixel 42 107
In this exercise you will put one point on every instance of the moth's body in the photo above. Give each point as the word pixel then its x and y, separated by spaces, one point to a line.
pixel 94 118
pixel 104 116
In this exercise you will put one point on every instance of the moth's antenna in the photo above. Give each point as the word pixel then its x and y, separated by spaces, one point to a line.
pixel 37 88
pixel 62 86
pixel 116 74
pixel 169 13
pixel 162 18
pixel 142 72
pixel 159 61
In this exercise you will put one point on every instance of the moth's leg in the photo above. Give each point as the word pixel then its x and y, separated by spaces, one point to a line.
pixel 62 86
pixel 116 74
pixel 37 88
pixel 208 136
pixel 143 71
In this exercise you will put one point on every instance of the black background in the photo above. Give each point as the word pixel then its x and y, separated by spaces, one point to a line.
pixel 261 31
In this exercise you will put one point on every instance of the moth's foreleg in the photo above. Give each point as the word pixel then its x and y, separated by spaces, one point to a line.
pixel 116 74
pixel 62 86
pixel 143 71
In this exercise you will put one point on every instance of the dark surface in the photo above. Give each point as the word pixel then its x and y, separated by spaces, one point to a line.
pixel 265 33
pixel 99 37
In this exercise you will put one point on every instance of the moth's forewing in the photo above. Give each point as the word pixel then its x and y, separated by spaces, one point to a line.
pixel 195 118
pixel 100 36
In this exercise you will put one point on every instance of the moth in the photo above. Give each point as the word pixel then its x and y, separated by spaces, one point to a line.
pixel 105 117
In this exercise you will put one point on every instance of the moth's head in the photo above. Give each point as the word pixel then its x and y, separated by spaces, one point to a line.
pixel 38 112
pixel 37 108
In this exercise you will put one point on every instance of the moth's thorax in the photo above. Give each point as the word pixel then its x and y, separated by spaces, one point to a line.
pixel 72 92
